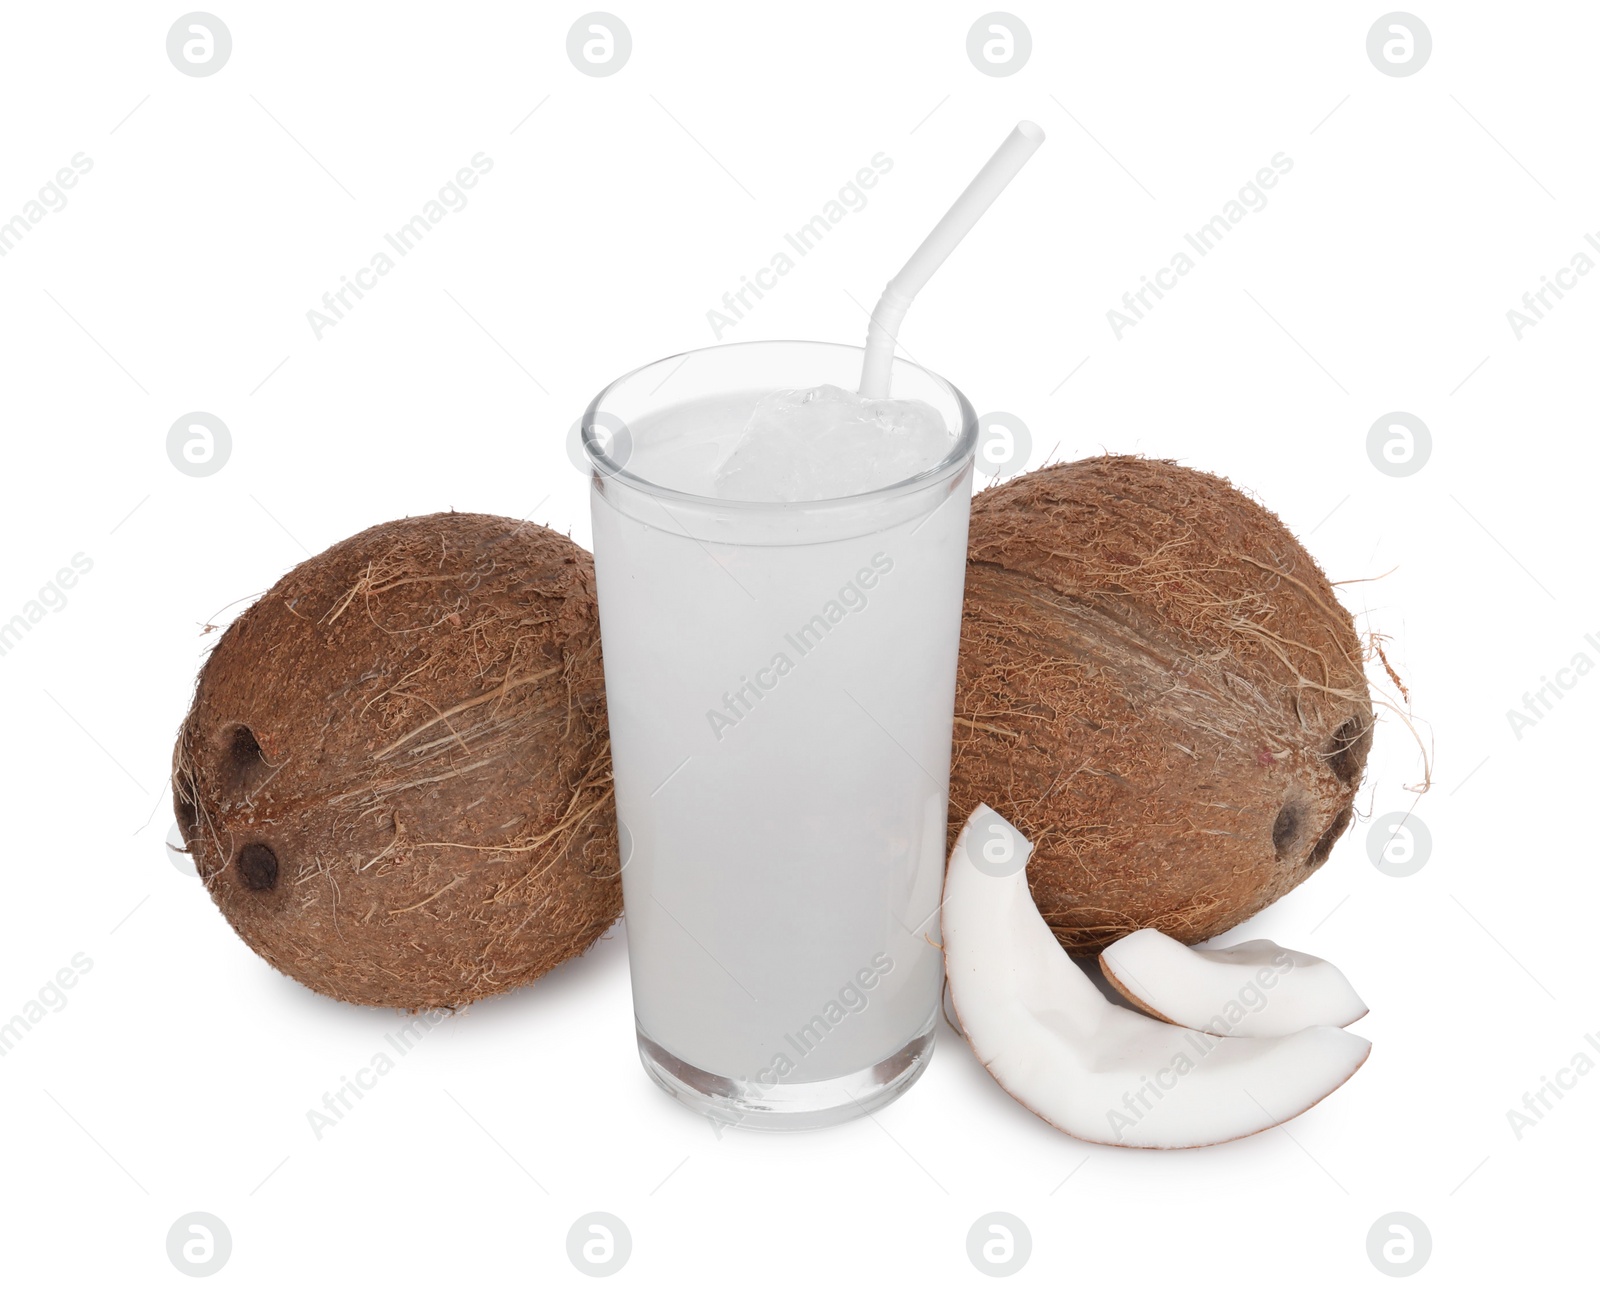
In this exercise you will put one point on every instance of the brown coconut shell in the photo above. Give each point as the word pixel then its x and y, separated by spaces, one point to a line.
pixel 1159 687
pixel 395 778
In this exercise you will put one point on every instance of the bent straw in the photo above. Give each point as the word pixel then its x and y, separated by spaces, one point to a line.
pixel 967 209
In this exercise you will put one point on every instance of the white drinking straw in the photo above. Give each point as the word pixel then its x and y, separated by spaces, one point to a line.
pixel 978 196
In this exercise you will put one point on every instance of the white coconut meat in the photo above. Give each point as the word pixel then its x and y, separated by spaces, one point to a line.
pixel 1089 1067
pixel 1256 988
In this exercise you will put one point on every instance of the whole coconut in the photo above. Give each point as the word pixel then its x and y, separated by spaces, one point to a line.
pixel 395 778
pixel 1159 687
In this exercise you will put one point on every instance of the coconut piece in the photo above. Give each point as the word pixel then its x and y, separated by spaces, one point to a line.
pixel 1160 687
pixel 1089 1067
pixel 395 779
pixel 1256 988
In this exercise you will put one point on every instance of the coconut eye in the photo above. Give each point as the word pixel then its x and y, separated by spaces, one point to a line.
pixel 1330 836
pixel 1285 829
pixel 258 867
pixel 243 763
pixel 1346 750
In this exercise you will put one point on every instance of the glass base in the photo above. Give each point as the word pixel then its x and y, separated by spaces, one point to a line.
pixel 809 1105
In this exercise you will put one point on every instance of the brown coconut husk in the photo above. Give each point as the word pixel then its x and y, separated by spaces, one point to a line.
pixel 395 777
pixel 1159 687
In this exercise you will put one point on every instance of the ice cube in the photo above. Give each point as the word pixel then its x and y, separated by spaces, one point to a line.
pixel 826 442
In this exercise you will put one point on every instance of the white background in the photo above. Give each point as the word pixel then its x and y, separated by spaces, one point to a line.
pixel 178 1076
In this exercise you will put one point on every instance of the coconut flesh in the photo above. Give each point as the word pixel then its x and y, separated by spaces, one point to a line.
pixel 1159 686
pixel 1089 1067
pixel 395 779
pixel 1256 988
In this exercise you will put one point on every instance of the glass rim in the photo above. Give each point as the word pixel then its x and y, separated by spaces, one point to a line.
pixel 961 451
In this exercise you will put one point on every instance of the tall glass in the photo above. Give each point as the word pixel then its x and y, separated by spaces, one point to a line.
pixel 780 679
